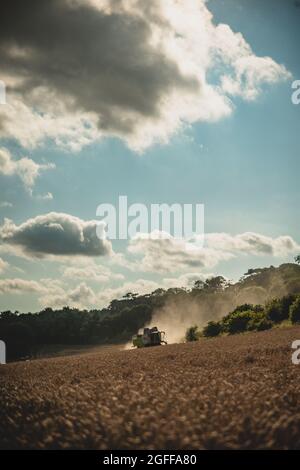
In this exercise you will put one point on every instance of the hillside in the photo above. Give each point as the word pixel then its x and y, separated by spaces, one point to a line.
pixel 224 393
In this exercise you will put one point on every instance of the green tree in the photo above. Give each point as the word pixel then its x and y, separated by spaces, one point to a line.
pixel 278 309
pixel 217 283
pixel 237 322
pixel 295 311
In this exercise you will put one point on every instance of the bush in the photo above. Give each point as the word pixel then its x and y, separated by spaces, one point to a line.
pixel 259 323
pixel 237 322
pixel 212 329
pixel 192 334
pixel 246 308
pixel 240 309
pixel 278 309
pixel 295 311
pixel 247 320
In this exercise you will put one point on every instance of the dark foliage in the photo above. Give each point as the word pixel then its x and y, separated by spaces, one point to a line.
pixel 192 334
pixel 212 329
pixel 295 311
pixel 24 334
pixel 278 309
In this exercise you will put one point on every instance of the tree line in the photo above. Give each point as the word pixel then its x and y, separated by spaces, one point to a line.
pixel 26 333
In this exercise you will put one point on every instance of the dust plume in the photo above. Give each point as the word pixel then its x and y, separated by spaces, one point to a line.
pixel 198 308
pixel 176 316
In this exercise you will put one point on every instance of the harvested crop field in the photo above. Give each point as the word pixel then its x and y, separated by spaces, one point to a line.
pixel 231 392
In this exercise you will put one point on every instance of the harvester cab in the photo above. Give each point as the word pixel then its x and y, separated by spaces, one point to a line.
pixel 150 337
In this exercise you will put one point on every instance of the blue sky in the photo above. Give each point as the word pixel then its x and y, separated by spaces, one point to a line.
pixel 244 167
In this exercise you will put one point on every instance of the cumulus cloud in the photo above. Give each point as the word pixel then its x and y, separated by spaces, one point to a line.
pixel 51 293
pixel 247 72
pixel 82 296
pixel 68 129
pixel 57 294
pixel 25 168
pixel 55 234
pixel 133 69
pixel 167 254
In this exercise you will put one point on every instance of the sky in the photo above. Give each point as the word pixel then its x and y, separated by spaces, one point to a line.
pixel 165 102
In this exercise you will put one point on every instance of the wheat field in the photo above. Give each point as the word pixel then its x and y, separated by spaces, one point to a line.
pixel 238 392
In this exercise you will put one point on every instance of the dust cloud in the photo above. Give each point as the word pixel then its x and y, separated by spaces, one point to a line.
pixel 176 316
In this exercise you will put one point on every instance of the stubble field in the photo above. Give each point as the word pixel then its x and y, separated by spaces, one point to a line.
pixel 239 392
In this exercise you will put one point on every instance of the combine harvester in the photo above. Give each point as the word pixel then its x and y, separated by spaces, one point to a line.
pixel 150 337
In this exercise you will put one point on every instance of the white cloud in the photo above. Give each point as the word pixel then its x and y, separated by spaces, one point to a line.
pixel 70 131
pixel 51 293
pixel 57 294
pixel 55 234
pixel 81 296
pixel 248 72
pixel 139 70
pixel 173 255
pixel 25 168
pixel 166 254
